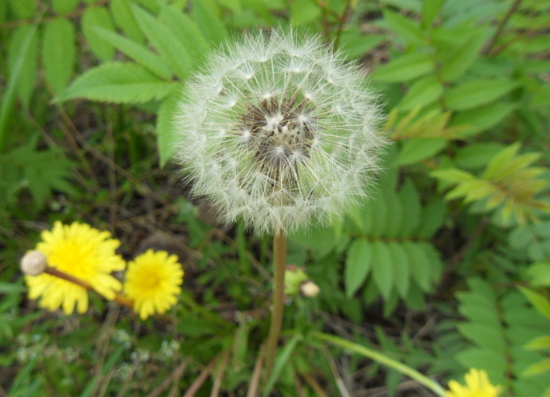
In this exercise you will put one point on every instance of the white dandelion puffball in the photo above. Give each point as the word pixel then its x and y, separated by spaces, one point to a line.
pixel 278 130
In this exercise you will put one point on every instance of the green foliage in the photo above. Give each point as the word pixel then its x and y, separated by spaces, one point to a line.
pixel 461 96
pixel 508 182
pixel 498 326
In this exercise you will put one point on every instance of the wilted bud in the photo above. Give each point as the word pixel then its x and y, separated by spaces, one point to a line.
pixel 309 289
pixel 34 263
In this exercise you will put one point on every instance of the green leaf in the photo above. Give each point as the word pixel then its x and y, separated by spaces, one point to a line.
pixel 8 100
pixel 483 335
pixel 98 16
pixel 137 52
pixel 303 12
pixel 58 53
pixel 358 265
pixel 165 127
pixel 538 368
pixel 124 19
pixel 281 362
pixel 430 10
pixel 500 161
pixel 453 175
pixel 419 265
pixel 459 60
pixel 29 67
pixel 405 68
pixel 540 343
pixel 10 288
pixel 401 268
pixel 421 93
pixel 492 361
pixel 477 92
pixel 64 6
pixel 540 302
pixel 23 9
pixel 540 274
pixel 410 201
pixel 433 216
pixel 169 47
pixel 206 15
pixel 404 27
pixel 382 268
pixel 484 117
pixel 416 150
pixel 118 82
pixel 477 154
pixel 186 31
pixel 355 44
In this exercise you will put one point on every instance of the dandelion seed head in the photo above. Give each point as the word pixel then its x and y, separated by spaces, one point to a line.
pixel 278 130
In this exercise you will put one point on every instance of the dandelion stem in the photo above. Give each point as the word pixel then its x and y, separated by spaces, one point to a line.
pixel 279 251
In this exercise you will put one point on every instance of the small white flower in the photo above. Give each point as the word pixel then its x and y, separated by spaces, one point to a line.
pixel 278 130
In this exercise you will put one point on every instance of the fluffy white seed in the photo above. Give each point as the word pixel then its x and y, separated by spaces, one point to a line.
pixel 278 130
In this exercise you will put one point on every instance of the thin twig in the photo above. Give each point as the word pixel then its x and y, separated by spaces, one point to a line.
pixel 501 25
pixel 339 381
pixel 256 374
pixel 176 373
pixel 219 374
pixel 314 385
pixel 202 377
pixel 341 22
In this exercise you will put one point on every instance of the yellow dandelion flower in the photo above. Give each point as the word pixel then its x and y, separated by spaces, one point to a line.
pixel 153 282
pixel 80 251
pixel 477 385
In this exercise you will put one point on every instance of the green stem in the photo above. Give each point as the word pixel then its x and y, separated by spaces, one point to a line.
pixel 382 359
pixel 279 252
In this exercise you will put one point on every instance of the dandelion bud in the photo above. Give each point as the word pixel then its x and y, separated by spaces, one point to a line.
pixel 278 130
pixel 34 263
pixel 309 289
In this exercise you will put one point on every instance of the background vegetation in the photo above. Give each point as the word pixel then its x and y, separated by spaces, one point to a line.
pixel 445 268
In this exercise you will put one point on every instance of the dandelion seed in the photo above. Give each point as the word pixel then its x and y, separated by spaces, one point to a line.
pixel 302 130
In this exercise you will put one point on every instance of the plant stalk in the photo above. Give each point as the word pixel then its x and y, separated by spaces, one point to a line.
pixel 279 252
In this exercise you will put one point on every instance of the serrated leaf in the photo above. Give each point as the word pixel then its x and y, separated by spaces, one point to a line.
pixel 382 268
pixel 9 95
pixel 485 336
pixel 401 268
pixel 477 154
pixel 420 268
pixel 458 61
pixel 186 31
pixel 206 15
pixel 430 10
pixel 169 47
pixel 124 19
pixel 58 53
pixel 410 201
pixel 540 343
pixel 165 127
pixel 477 92
pixel 500 161
pixel 98 16
pixel 540 302
pixel 538 368
pixel 137 52
pixel 404 27
pixel 355 44
pixel 484 117
pixel 379 215
pixel 358 265
pixel 303 12
pixel 405 68
pixel 393 228
pixel 432 218
pixel 421 93
pixel 23 9
pixel 64 6
pixel 118 82
pixel 416 150
pixel 28 70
